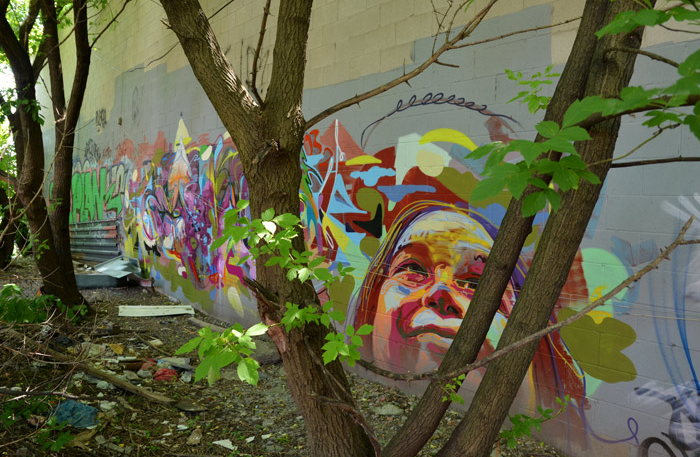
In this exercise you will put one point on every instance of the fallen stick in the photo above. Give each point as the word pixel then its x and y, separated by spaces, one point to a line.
pixel 96 372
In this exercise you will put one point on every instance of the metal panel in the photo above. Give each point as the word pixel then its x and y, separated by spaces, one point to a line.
pixel 95 241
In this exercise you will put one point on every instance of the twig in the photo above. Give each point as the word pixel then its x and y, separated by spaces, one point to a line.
pixel 655 161
pixel 256 56
pixel 449 44
pixel 651 55
pixel 109 24
pixel 518 32
pixel 664 255
pixel 144 340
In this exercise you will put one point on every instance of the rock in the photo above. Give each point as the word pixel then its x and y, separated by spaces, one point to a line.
pixel 156 342
pixel 195 438
pixel 388 410
pixel 107 405
pixel 131 376
pixel 99 439
pixel 144 374
pixel 182 427
pixel 104 385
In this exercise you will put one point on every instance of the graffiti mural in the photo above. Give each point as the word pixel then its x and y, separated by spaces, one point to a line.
pixel 397 207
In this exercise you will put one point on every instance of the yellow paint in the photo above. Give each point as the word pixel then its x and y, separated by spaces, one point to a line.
pixel 362 160
pixel 182 134
pixel 338 234
pixel 448 136
pixel 430 164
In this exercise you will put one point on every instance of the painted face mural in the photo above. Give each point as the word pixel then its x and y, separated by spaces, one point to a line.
pixel 419 286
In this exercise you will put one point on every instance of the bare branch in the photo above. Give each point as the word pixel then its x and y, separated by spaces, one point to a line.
pixel 109 24
pixel 651 55
pixel 463 33
pixel 26 28
pixel 639 163
pixel 518 32
pixel 258 49
pixel 664 255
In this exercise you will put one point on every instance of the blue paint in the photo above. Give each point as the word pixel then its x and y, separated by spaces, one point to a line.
pixel 398 192
pixel 372 176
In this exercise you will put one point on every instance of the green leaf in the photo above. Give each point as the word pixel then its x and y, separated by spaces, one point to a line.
pixel 337 316
pixel 574 134
pixel 518 183
pixel 590 177
pixel 286 220
pixel 304 274
pixel 561 145
pixel 573 161
pixel 316 262
pixel 547 129
pixel 581 110
pixel 323 274
pixel 273 261
pixel 217 243
pixel 554 199
pixel 694 123
pixel 268 214
pixel 484 150
pixel 528 149
pixel 356 340
pixel 366 329
pixel 690 65
pixel 565 179
pixel 533 203
pixel 189 346
pixel 350 330
pixel 248 370
pixel 257 329
pixel 487 188
pixel 537 182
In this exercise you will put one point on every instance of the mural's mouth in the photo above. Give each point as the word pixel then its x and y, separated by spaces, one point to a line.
pixel 444 332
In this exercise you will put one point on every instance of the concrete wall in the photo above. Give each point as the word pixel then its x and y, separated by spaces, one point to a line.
pixel 389 176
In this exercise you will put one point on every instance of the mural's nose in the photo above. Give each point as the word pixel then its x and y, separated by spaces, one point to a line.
pixel 441 300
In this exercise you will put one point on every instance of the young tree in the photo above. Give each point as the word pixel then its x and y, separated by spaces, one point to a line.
pixel 27 49
pixel 268 134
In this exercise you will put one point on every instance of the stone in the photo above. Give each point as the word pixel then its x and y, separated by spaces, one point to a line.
pixel 388 410
pixel 195 437
pixel 144 374
pixel 104 385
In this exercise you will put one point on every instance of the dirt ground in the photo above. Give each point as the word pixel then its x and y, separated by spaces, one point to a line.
pixel 230 418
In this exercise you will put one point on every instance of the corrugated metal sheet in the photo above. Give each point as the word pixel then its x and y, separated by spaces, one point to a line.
pixel 95 241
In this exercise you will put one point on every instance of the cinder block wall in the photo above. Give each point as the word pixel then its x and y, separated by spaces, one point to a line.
pixel 389 176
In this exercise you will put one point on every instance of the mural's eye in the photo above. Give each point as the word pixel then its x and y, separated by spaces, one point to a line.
pixel 411 270
pixel 468 283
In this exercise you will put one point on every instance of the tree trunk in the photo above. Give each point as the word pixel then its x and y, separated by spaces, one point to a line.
pixel 269 140
pixel 65 123
pixel 29 148
pixel 556 250
pixel 514 229
pixel 7 230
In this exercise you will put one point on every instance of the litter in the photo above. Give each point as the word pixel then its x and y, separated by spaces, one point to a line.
pixel 150 311
pixel 165 374
pixel 225 443
pixel 76 414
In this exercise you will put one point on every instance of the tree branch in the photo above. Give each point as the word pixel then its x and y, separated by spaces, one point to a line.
pixel 463 33
pixel 233 103
pixel 657 103
pixel 26 28
pixel 258 49
pixel 109 24
pixel 651 55
pixel 518 32
pixel 639 163
pixel 664 255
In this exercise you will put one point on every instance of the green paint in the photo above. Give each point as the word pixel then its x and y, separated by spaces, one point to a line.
pixel 341 292
pixel 369 246
pixel 368 199
pixel 462 184
pixel 597 347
